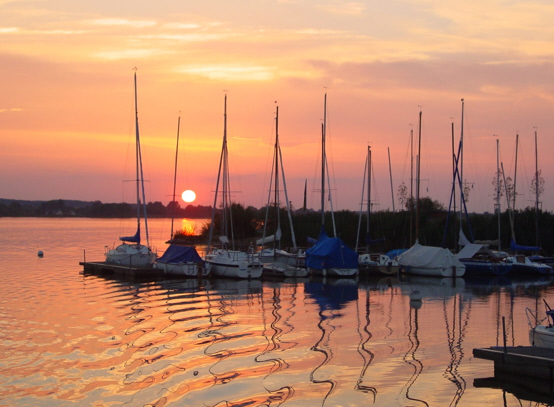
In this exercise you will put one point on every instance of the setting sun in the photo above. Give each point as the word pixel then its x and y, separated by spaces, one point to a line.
pixel 188 196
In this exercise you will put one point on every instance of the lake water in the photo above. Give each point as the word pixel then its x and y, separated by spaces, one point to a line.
pixel 74 339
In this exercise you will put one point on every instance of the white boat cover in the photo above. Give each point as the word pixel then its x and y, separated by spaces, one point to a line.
pixel 428 257
pixel 269 239
pixel 472 249
pixel 462 239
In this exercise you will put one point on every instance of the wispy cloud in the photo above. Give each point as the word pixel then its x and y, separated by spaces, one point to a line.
pixel 351 8
pixel 137 53
pixel 122 22
pixel 9 30
pixel 21 31
pixel 229 72
pixel 182 26
pixel 187 37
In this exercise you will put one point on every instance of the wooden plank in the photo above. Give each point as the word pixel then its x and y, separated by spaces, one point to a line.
pixel 523 360
pixel 110 268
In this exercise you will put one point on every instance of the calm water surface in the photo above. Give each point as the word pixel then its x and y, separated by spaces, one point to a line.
pixel 74 339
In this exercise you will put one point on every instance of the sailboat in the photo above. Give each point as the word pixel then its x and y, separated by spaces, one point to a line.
pixel 329 256
pixel 225 261
pixel 367 260
pixel 135 254
pixel 276 261
pixel 179 259
pixel 541 332
pixel 428 260
pixel 477 258
pixel 522 264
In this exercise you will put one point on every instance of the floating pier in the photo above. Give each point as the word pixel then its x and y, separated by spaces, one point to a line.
pixel 529 361
pixel 117 269
pixel 525 371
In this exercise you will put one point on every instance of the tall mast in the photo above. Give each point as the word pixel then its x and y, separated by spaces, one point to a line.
pixel 225 187
pixel 287 198
pixel 537 192
pixel 461 162
pixel 227 184
pixel 418 173
pixel 175 175
pixel 139 173
pixel 391 187
pixel 137 151
pixel 277 240
pixel 368 195
pixel 323 159
pixel 510 213
pixel 515 175
pixel 411 183
pixel 222 167
pixel 454 176
pixel 498 191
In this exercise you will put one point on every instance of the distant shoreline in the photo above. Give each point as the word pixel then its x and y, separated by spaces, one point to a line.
pixel 97 209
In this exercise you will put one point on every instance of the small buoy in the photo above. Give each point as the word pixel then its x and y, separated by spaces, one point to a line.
pixel 40 253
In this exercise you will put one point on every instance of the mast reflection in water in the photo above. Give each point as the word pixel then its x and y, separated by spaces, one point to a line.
pixel 74 339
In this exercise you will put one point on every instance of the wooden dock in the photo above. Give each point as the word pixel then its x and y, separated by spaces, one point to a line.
pixel 529 361
pixel 119 270
pixel 525 371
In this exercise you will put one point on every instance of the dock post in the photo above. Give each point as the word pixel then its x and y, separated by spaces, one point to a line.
pixel 504 333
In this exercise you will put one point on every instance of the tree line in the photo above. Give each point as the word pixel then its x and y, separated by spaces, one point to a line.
pixel 97 209
pixel 387 230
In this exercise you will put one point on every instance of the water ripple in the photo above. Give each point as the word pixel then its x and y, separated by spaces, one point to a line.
pixel 69 338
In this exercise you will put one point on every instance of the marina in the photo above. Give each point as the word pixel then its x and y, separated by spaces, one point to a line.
pixel 405 258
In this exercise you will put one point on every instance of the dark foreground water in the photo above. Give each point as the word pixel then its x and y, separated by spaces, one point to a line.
pixel 73 339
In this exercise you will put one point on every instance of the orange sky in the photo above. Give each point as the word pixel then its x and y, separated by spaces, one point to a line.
pixel 66 110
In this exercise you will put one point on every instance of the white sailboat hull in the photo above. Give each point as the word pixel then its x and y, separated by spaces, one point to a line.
pixel 133 255
pixel 233 264
pixel 282 263
pixel 283 269
pixel 334 272
pixel 190 269
pixel 450 271
pixel 542 336
pixel 291 259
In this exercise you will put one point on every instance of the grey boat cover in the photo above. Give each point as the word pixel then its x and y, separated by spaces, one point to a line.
pixel 428 257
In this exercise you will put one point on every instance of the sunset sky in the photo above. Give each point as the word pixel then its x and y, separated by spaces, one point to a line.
pixel 66 106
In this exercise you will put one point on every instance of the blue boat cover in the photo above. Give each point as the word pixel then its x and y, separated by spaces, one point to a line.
pixel 370 241
pixel 331 297
pixel 517 248
pixel 394 253
pixel 180 254
pixel 330 252
pixel 132 239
